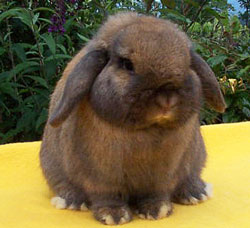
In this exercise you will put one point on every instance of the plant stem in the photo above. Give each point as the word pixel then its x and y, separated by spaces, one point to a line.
pixel 11 52
pixel 41 62
pixel 10 48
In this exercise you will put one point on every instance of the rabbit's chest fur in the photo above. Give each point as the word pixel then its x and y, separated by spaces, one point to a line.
pixel 125 159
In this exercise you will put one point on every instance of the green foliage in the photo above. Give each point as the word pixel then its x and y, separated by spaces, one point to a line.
pixel 32 59
pixel 245 15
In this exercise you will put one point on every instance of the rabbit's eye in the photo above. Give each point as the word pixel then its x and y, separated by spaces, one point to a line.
pixel 126 64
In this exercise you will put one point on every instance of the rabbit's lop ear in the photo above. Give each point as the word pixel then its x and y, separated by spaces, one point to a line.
pixel 210 86
pixel 78 84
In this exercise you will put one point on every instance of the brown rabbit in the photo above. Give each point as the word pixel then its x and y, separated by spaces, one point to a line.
pixel 123 130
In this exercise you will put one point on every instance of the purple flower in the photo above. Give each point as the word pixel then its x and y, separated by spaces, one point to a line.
pixel 54 19
pixel 63 20
pixel 58 19
pixel 61 29
pixel 60 4
pixel 52 28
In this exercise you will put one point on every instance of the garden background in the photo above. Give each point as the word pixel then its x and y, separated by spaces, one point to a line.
pixel 38 38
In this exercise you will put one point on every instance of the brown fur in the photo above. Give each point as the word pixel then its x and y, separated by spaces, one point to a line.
pixel 132 135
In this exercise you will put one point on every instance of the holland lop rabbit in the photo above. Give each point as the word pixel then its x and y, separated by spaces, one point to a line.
pixel 123 132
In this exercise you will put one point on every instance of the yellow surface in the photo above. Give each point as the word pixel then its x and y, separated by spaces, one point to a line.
pixel 25 197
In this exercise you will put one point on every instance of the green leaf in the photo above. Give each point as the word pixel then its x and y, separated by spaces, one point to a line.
pixel 42 118
pixel 58 56
pixel 207 27
pixel 4 106
pixel 243 71
pixel 244 56
pixel 2 50
pixel 193 3
pixel 7 88
pixel 35 18
pixel 62 48
pixel 227 117
pixel 196 27
pixel 10 134
pixel 7 36
pixel 26 45
pixel 175 15
pixel 20 52
pixel 214 61
pixel 27 119
pixel 228 100
pixel 25 16
pixel 50 69
pixel 213 13
pixel 40 80
pixel 169 3
pixel 235 24
pixel 44 9
pixel 31 53
pixel 22 66
pixel 9 13
pixel 48 38
pixel 69 41
pixel 69 23
pixel 45 20
pixel 246 111
pixel 83 37
pixel 108 6
pixel 43 92
pixel 246 102
pixel 4 75
pixel 33 69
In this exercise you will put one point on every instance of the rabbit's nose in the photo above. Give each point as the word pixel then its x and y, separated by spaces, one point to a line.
pixel 166 102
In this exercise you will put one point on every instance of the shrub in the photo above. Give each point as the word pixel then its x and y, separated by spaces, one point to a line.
pixel 39 37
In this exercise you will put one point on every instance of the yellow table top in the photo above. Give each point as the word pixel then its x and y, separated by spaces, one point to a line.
pixel 25 197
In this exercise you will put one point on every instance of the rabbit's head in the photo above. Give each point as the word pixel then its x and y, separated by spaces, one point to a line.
pixel 140 71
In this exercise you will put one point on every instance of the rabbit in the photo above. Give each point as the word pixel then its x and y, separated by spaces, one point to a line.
pixel 123 132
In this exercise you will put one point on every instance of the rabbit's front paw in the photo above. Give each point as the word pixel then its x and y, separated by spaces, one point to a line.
pixel 194 195
pixel 61 203
pixel 154 210
pixel 113 215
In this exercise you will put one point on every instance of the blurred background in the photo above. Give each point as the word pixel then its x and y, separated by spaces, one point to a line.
pixel 38 38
